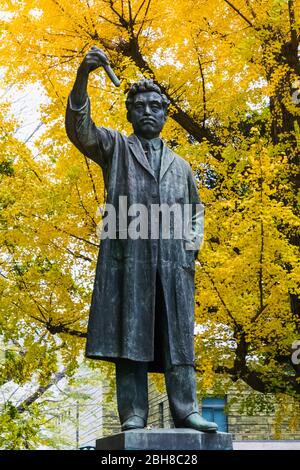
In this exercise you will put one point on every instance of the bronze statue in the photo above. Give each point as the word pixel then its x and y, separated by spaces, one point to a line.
pixel 142 309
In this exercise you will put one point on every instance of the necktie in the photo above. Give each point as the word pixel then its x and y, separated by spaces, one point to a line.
pixel 153 158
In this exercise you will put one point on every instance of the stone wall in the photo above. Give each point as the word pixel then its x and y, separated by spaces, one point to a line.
pixel 262 425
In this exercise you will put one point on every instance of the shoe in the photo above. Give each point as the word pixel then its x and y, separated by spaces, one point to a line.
pixel 134 422
pixel 197 422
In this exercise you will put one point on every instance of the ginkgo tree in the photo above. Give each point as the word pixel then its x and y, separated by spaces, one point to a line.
pixel 231 71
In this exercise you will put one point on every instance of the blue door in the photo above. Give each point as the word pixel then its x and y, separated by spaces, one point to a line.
pixel 213 410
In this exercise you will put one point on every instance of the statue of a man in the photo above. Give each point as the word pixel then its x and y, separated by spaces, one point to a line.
pixel 142 309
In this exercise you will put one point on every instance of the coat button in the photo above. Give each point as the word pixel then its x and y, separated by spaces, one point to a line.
pixel 154 194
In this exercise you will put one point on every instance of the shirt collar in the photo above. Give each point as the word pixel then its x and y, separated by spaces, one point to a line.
pixel 155 143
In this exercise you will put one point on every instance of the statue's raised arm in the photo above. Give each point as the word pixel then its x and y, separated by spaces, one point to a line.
pixel 94 59
pixel 94 142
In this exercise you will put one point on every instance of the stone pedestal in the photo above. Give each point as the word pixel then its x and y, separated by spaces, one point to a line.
pixel 166 439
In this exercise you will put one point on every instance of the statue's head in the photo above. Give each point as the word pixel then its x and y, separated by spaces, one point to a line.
pixel 147 108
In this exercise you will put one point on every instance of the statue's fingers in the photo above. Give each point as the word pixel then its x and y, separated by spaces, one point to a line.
pixel 94 62
pixel 94 55
pixel 100 55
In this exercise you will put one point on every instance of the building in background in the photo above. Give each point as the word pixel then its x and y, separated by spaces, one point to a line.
pixel 87 411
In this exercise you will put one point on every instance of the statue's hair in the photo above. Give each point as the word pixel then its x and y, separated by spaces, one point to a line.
pixel 142 86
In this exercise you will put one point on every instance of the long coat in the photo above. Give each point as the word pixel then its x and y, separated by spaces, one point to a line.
pixel 122 313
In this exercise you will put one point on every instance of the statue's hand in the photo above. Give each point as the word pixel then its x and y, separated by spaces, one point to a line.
pixel 94 59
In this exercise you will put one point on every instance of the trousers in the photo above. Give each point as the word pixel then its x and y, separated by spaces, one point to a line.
pixel 132 376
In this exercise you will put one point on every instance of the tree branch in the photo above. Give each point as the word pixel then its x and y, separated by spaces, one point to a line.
pixel 56 329
pixel 144 19
pixel 76 255
pixel 71 17
pixel 254 15
pixel 262 240
pixel 131 21
pixel 92 180
pixel 40 391
pixel 220 297
pixel 60 328
pixel 64 231
pixel 203 84
pixel 241 352
pixel 291 7
pixel 121 16
pixel 84 208
pixel 239 13
pixel 260 274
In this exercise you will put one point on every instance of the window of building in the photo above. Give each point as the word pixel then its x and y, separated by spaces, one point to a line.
pixel 161 414
pixel 213 409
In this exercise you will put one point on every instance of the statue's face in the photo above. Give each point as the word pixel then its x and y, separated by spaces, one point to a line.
pixel 147 114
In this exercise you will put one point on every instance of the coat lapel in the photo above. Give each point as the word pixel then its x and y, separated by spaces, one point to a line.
pixel 138 151
pixel 166 160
